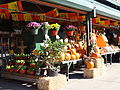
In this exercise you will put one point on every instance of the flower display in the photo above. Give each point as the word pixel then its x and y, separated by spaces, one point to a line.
pixel 33 24
pixel 45 26
pixel 54 26
pixel 70 28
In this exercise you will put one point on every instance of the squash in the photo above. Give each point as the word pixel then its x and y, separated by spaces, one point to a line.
pixel 89 64
pixel 73 57
pixel 62 57
pixel 77 55
pixel 67 56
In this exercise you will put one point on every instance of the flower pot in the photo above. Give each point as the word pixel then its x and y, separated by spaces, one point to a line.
pixel 69 33
pixel 30 72
pixel 17 63
pixel 52 73
pixel 16 70
pixel 54 32
pixel 32 65
pixel 21 64
pixel 11 70
pixel 7 70
pixel 22 71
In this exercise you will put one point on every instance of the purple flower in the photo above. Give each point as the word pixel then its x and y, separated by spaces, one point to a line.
pixel 70 27
pixel 33 24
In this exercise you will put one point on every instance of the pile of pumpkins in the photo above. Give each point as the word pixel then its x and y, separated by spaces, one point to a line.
pixel 73 51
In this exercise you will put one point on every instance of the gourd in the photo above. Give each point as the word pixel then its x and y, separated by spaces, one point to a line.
pixel 73 57
pixel 67 56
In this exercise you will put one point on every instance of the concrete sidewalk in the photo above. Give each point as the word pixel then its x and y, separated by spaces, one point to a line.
pixel 109 81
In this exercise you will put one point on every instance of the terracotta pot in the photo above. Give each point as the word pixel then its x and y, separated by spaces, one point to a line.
pixel 22 71
pixel 69 33
pixel 21 64
pixel 32 65
pixel 54 32
pixel 11 70
pixel 30 72
pixel 16 70
pixel 7 70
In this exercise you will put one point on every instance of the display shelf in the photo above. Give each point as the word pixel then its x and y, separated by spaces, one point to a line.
pixel 18 76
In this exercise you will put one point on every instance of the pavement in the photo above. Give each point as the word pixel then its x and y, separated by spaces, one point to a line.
pixel 109 81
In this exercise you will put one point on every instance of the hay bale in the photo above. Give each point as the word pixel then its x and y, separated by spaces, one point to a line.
pixel 52 83
pixel 90 73
pixel 98 62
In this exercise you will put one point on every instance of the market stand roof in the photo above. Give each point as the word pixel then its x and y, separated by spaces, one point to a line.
pixel 88 5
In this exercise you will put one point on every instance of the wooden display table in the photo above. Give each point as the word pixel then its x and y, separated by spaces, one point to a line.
pixel 18 76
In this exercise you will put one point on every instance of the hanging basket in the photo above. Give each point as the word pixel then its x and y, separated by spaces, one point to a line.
pixel 69 33
pixel 54 32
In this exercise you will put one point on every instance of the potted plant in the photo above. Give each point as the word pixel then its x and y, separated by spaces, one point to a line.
pixel 70 30
pixel 11 68
pixel 22 62
pixel 54 28
pixel 45 26
pixel 22 69
pixel 34 26
pixel 31 71
pixel 7 68
pixel 50 54
pixel 17 68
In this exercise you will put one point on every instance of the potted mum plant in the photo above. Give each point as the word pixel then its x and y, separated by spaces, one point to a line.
pixel 31 70
pixel 45 26
pixel 22 69
pixel 34 26
pixel 70 30
pixel 54 28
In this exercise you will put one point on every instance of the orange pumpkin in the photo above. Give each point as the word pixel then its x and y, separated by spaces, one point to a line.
pixel 96 55
pixel 101 42
pixel 73 51
pixel 67 56
pixel 89 64
pixel 73 57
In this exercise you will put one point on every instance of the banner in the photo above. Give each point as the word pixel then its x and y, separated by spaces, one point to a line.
pixel 27 17
pixel 97 20
pixel 52 13
pixel 14 17
pixel 115 23
pixel 93 20
pixel 21 17
pixel 83 18
pixel 3 10
pixel 35 18
pixel 13 6
pixel 42 17
pixel 102 22
pixel 4 16
pixel 107 22
pixel 63 15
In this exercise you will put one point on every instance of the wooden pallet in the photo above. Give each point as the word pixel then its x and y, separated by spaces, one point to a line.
pixel 17 76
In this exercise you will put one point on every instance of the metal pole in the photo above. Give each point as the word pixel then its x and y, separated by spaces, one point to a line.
pixel 88 34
